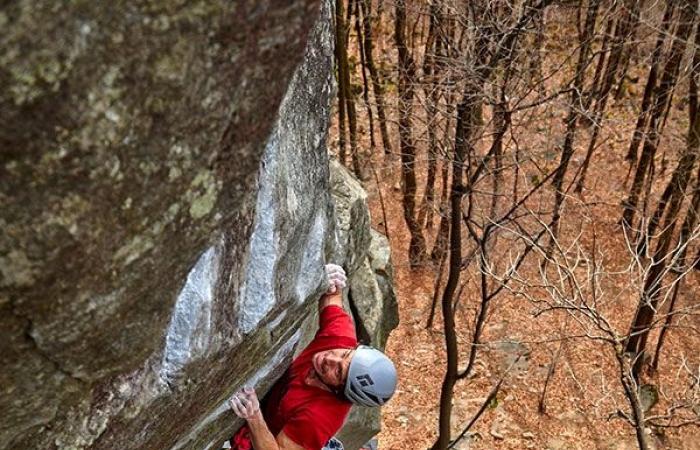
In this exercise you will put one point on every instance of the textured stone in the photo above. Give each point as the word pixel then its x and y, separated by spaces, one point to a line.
pixel 166 216
pixel 166 213
pixel 353 224
pixel 370 295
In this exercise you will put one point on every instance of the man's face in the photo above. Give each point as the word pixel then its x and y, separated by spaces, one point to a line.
pixel 332 365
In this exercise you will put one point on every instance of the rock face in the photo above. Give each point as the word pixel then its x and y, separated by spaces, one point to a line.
pixel 166 214
pixel 370 296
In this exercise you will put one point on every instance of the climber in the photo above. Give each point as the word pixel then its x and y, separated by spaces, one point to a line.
pixel 309 404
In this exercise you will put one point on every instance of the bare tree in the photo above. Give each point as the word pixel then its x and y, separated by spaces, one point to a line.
pixel 407 69
pixel 661 98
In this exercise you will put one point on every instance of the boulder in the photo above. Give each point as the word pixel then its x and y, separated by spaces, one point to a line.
pixel 166 214
pixel 370 295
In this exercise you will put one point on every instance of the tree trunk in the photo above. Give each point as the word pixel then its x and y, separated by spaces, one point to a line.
pixel 595 88
pixel 622 34
pixel 462 137
pixel 691 218
pixel 467 111
pixel 650 88
pixel 440 244
pixel 431 73
pixel 345 90
pixel 359 30
pixel 501 115
pixel 571 120
pixel 416 249
pixel 668 81
pixel 630 386
pixel 627 51
pixel 340 67
pixel 377 90
pixel 641 324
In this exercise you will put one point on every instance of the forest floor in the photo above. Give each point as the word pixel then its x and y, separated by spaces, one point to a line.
pixel 584 395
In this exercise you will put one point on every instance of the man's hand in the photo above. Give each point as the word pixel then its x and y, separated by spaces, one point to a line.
pixel 336 278
pixel 245 403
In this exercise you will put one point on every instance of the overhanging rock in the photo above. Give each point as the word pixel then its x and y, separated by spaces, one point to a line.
pixel 142 142
pixel 166 215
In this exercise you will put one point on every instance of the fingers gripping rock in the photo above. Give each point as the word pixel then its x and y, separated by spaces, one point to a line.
pixel 245 403
pixel 336 278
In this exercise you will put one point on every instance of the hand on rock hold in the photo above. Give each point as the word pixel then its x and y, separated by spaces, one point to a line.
pixel 336 278
pixel 245 403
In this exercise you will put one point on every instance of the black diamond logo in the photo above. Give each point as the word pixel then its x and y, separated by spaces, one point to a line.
pixel 365 380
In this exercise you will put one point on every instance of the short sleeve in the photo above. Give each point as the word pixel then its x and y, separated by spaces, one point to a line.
pixel 335 322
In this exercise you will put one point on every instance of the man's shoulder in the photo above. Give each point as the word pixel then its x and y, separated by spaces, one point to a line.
pixel 335 321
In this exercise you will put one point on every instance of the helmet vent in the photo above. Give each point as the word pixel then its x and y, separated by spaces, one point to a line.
pixel 365 380
pixel 356 390
pixel 374 398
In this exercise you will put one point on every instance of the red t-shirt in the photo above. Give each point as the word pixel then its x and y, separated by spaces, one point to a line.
pixel 309 415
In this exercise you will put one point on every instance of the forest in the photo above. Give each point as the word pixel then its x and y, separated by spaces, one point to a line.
pixel 534 164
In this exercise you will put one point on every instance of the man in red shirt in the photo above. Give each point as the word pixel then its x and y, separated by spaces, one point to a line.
pixel 309 404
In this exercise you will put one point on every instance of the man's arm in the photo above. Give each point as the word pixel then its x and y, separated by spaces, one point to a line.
pixel 330 299
pixel 336 281
pixel 246 405
pixel 263 439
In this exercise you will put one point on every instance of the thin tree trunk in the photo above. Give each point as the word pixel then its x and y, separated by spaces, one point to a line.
pixel 622 34
pixel 431 72
pixel 675 190
pixel 480 319
pixel 691 218
pixel 377 90
pixel 594 90
pixel 416 249
pixel 345 89
pixel 462 138
pixel 541 404
pixel 627 52
pixel 644 316
pixel 363 64
pixel 641 324
pixel 430 89
pixel 629 384
pixel 467 111
pixel 436 294
pixel 340 67
pixel 571 120
pixel 668 80
pixel 501 116
pixel 650 88
pixel 440 244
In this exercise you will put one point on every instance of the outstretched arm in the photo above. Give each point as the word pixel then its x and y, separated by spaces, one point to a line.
pixel 336 280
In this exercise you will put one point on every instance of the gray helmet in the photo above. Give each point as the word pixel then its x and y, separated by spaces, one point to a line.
pixel 371 378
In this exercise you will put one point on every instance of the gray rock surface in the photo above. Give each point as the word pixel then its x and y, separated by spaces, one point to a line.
pixel 166 213
pixel 370 295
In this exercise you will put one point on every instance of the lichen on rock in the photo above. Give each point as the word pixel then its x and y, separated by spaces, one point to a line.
pixel 166 214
